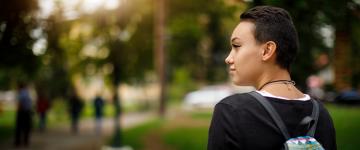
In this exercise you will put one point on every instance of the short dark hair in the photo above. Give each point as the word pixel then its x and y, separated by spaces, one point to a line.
pixel 275 24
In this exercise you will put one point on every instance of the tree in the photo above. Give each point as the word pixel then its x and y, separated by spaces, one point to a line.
pixel 115 44
pixel 344 16
pixel 198 37
pixel 54 76
pixel 17 60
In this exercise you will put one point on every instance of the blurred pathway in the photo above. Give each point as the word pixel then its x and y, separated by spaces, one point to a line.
pixel 61 138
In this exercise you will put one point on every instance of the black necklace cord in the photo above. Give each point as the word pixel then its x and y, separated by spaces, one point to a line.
pixel 275 81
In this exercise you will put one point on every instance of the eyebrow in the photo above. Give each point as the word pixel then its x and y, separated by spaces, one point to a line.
pixel 234 38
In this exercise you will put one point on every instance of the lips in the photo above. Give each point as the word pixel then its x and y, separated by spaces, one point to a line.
pixel 232 69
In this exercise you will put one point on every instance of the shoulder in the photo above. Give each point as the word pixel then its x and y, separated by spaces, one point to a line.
pixel 325 131
pixel 238 101
pixel 322 109
pixel 324 114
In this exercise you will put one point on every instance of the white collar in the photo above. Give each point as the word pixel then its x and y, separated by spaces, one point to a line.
pixel 267 94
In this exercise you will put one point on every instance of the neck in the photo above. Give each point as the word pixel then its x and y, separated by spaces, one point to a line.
pixel 284 90
pixel 272 75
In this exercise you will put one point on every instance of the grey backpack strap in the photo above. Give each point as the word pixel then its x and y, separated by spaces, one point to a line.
pixel 315 117
pixel 274 115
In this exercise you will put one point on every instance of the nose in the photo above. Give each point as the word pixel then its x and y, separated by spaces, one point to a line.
pixel 229 59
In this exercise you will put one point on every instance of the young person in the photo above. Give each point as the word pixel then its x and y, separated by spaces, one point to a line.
pixel 264 44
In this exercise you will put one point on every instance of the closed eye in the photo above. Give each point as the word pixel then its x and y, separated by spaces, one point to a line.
pixel 235 46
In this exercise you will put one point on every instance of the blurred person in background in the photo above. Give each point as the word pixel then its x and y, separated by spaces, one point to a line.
pixel 99 111
pixel 75 108
pixel 23 117
pixel 42 107
pixel 315 84
pixel 264 44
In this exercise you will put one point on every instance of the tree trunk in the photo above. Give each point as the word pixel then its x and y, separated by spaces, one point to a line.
pixel 117 140
pixel 342 53
pixel 159 50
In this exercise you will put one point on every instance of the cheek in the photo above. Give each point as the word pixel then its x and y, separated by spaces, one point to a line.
pixel 244 61
pixel 246 68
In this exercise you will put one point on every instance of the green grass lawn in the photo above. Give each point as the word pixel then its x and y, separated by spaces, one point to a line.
pixel 7 121
pixel 187 137
pixel 347 124
pixel 134 136
pixel 173 134
pixel 194 138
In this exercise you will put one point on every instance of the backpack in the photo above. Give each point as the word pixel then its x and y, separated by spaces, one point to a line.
pixel 307 142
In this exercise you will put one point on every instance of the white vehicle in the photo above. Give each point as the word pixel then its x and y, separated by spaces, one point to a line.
pixel 207 97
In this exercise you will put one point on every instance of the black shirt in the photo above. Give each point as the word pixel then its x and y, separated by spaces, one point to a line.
pixel 240 122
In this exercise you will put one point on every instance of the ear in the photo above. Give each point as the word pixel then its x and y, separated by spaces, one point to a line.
pixel 268 51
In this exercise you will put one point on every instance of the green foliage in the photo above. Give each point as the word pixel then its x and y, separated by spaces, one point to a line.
pixel 181 84
pixel 128 35
pixel 198 38
pixel 356 53
pixel 17 61
pixel 59 112
pixel 186 34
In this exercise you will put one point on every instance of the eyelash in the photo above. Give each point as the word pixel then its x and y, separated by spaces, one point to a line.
pixel 235 46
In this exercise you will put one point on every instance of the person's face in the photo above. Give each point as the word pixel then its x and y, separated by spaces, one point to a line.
pixel 244 59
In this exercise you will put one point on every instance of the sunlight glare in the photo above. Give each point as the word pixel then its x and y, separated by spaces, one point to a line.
pixel 39 47
pixel 73 8
pixel 111 4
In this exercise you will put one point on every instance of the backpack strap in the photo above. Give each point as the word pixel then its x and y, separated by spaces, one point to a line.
pixel 315 117
pixel 272 112
pixel 278 121
pixel 312 120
